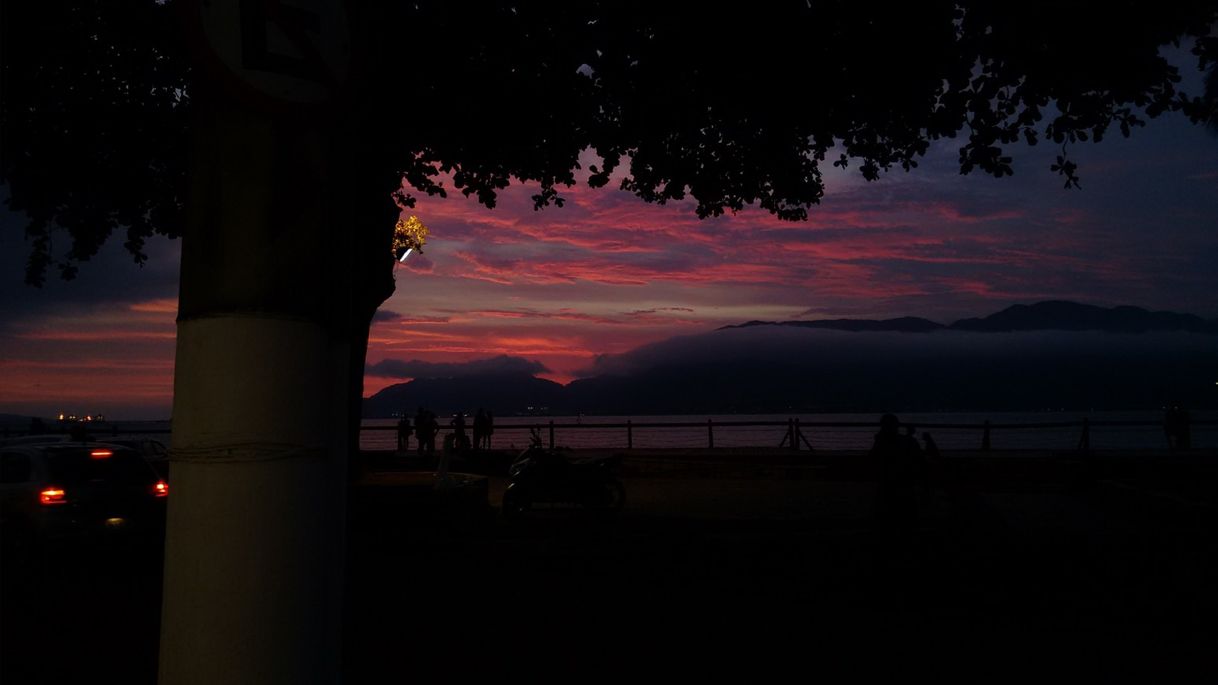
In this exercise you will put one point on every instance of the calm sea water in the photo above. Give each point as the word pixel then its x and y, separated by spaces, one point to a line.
pixel 513 431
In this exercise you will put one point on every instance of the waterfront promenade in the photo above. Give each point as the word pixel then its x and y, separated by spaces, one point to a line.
pixel 743 562
pixel 765 561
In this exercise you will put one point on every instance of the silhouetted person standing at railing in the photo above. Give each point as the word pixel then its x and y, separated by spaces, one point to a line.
pixel 1177 429
pixel 425 426
pixel 458 441
pixel 938 470
pixel 969 513
pixel 489 429
pixel 479 428
pixel 900 470
pixel 1185 436
pixel 404 432
pixel 420 427
pixel 931 450
pixel 433 429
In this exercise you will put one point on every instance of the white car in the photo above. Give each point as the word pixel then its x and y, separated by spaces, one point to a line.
pixel 59 491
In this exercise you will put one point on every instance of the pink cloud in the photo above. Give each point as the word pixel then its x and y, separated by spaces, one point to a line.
pixel 608 272
pixel 97 336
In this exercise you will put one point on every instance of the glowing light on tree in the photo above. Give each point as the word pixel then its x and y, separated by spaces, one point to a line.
pixel 409 234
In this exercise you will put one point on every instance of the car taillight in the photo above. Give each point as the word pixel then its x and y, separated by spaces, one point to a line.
pixel 101 454
pixel 161 489
pixel 53 495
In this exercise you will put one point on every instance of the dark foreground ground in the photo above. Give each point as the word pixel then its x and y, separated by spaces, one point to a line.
pixel 1046 570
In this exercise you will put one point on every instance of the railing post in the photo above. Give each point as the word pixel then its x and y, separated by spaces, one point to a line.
pixel 795 434
pixel 551 433
pixel 800 434
pixel 629 435
pixel 710 434
pixel 985 437
pixel 1084 440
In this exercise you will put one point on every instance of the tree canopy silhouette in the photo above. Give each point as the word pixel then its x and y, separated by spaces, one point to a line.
pixel 728 105
pixel 126 116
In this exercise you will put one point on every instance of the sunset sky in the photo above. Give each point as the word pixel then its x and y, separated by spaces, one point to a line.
pixel 608 272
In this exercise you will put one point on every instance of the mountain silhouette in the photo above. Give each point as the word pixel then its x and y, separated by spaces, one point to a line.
pixel 1060 315
pixel 906 324
pixel 20 420
pixel 504 394
pixel 1050 315
pixel 1027 357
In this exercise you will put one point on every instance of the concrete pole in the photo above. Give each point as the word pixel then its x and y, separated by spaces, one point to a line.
pixel 255 539
pixel 286 255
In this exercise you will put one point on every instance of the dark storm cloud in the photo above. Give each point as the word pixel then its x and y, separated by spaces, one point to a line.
pixel 501 365
pixel 740 348
pixel 772 368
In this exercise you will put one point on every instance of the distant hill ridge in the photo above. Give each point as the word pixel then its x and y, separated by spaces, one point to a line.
pixel 498 392
pixel 1090 358
pixel 1051 315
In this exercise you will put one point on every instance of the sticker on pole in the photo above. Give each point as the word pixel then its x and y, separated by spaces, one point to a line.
pixel 291 51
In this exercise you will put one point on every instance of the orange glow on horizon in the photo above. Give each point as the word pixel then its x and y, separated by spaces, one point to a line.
pixel 162 306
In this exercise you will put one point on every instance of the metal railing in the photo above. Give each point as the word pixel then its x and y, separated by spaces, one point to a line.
pixel 796 434
pixel 793 434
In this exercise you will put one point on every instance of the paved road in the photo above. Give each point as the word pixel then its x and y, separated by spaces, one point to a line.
pixel 768 574
pixel 752 576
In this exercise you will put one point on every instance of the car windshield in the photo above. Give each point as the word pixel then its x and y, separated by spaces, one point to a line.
pixel 78 465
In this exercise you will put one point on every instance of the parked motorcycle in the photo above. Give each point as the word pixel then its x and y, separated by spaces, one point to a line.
pixel 544 475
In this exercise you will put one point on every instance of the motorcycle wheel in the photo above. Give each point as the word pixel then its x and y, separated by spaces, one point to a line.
pixel 514 504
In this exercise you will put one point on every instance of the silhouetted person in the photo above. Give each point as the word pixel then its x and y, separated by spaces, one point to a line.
pixel 1177 428
pixel 420 426
pixel 936 468
pixel 913 448
pixel 479 428
pixel 967 507
pixel 424 425
pixel 489 429
pixel 458 440
pixel 1170 420
pixel 404 432
pixel 931 449
pixel 1186 430
pixel 433 429
pixel 900 470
